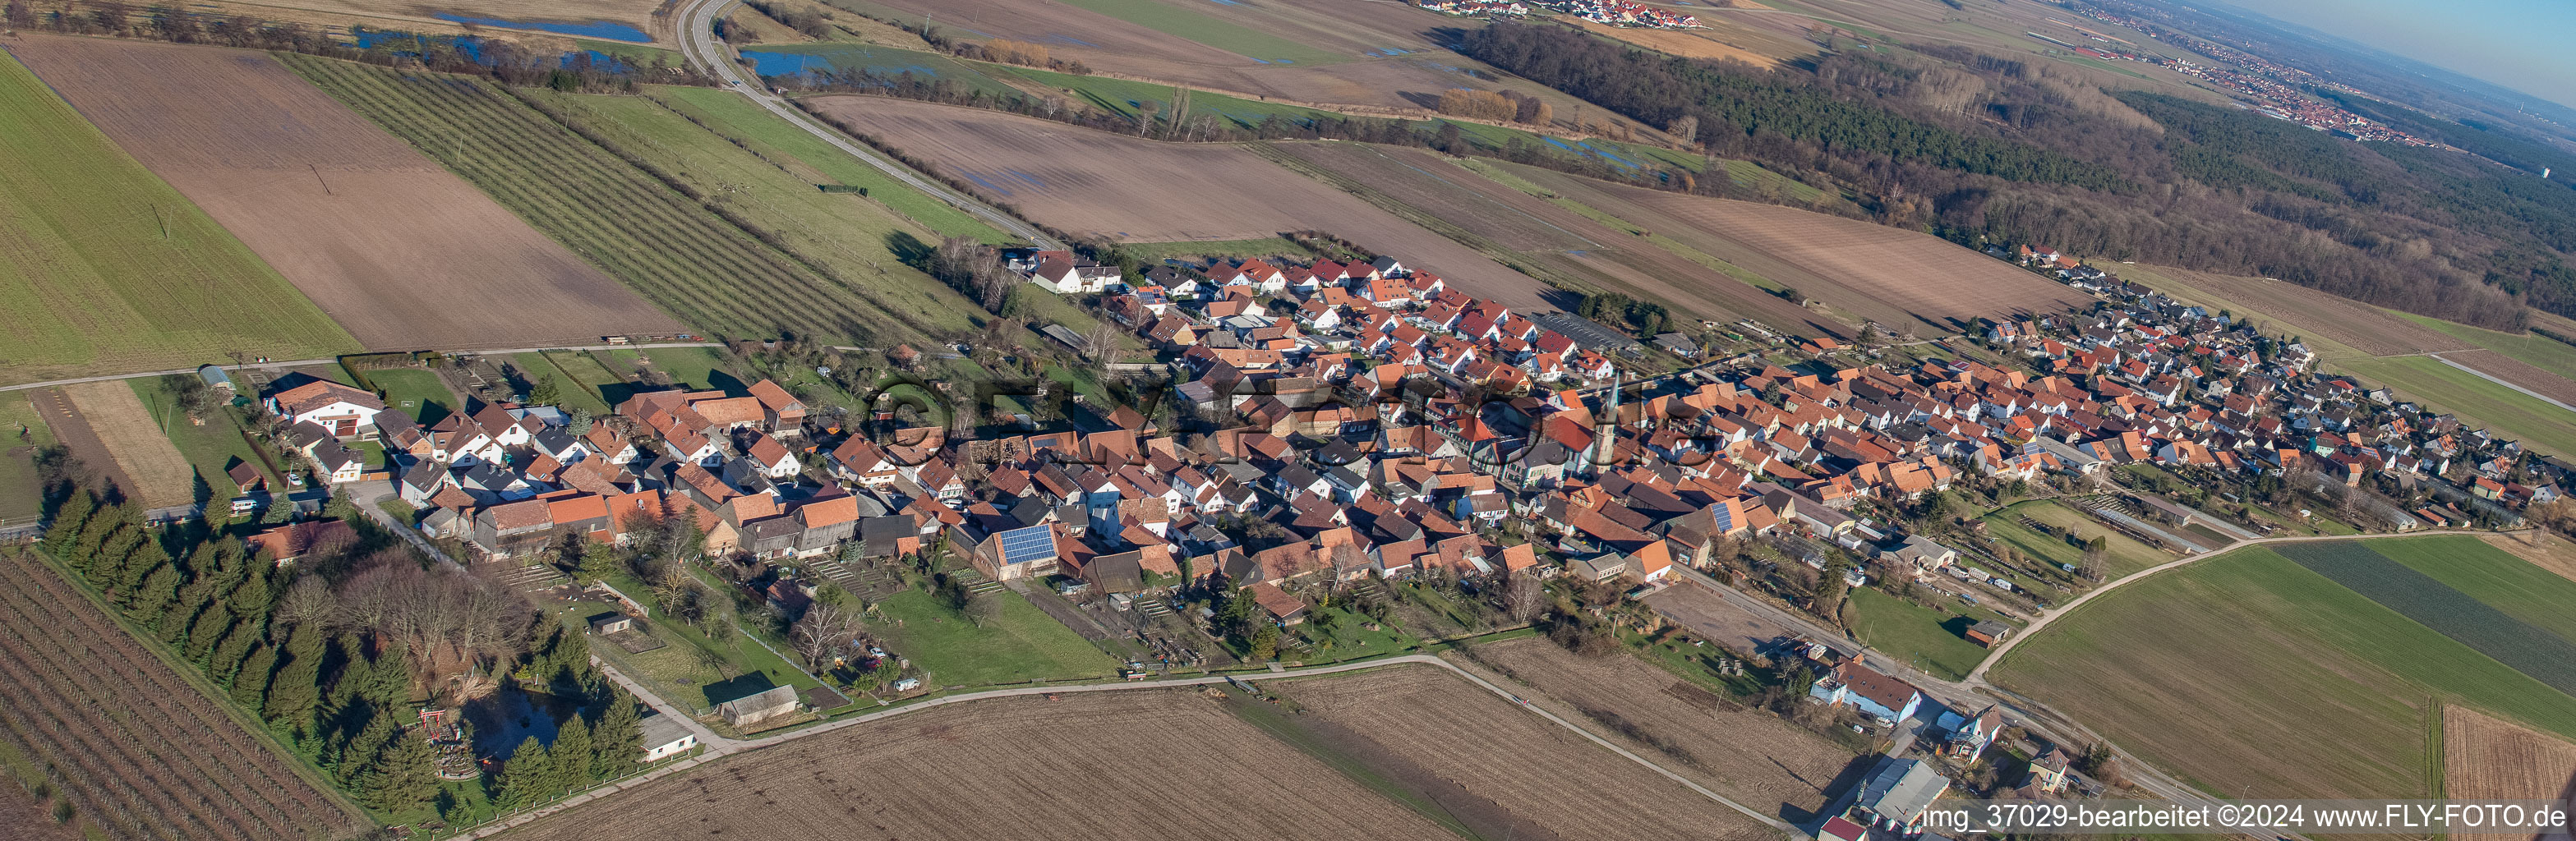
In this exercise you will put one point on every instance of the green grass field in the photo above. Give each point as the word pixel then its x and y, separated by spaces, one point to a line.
pixel 2513 413
pixel 1023 644
pixel 678 251
pixel 690 367
pixel 418 392
pixel 105 269
pixel 2126 555
pixel 212 448
pixel 741 119
pixel 1183 23
pixel 1931 639
pixel 22 430
pixel 2542 352
pixel 572 393
pixel 2249 675
pixel 583 372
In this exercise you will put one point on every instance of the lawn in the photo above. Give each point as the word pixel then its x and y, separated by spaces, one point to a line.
pixel 1350 637
pixel 417 391
pixel 20 493
pixel 1208 29
pixel 690 669
pixel 2126 555
pixel 212 448
pixel 582 372
pixel 743 120
pixel 2250 675
pixel 696 368
pixel 1023 644
pixel 106 269
pixel 1931 639
pixel 2512 413
pixel 571 392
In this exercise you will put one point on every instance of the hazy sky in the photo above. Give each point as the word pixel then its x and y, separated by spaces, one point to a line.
pixel 2520 44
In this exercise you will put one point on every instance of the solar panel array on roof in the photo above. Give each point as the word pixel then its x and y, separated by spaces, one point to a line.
pixel 1029 544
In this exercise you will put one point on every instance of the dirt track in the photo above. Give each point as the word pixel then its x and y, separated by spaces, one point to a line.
pixel 401 252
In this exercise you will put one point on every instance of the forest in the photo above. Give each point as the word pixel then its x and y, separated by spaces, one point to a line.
pixel 1994 151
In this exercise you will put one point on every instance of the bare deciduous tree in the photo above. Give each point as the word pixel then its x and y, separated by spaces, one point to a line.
pixel 823 630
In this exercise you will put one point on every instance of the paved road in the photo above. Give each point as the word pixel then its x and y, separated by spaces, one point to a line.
pixel 697 19
pixel 299 363
pixel 718 746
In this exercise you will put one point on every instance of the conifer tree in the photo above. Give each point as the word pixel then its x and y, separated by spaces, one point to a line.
pixel 206 631
pixel 618 739
pixel 572 753
pixel 137 567
pixel 362 748
pixel 403 776
pixel 102 523
pixel 250 682
pixel 69 518
pixel 153 596
pixel 298 684
pixel 228 655
pixel 105 565
pixel 523 779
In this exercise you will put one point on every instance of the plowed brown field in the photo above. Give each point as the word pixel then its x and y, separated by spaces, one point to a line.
pixel 1114 766
pixel 1888 275
pixel 398 250
pixel 1124 188
pixel 2360 329
pixel 132 436
pixel 1546 776
pixel 2484 758
pixel 138 751
pixel 1556 237
pixel 1745 754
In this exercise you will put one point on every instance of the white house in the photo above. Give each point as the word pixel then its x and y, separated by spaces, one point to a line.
pixel 666 737
pixel 335 407
pixel 1058 272
pixel 774 459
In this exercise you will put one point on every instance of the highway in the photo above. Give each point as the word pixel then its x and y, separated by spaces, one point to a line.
pixel 697 35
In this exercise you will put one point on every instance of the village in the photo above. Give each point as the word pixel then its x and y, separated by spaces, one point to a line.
pixel 1332 427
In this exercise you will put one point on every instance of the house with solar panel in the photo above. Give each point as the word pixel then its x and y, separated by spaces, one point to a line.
pixel 1015 553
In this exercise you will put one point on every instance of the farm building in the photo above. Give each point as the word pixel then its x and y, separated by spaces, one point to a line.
pixel 753 709
pixel 1899 792
pixel 611 622
pixel 1988 632
pixel 1283 608
pixel 665 736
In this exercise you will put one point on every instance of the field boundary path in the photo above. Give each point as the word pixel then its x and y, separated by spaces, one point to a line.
pixel 698 45
pixel 719 746
pixel 2438 357
pixel 333 360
